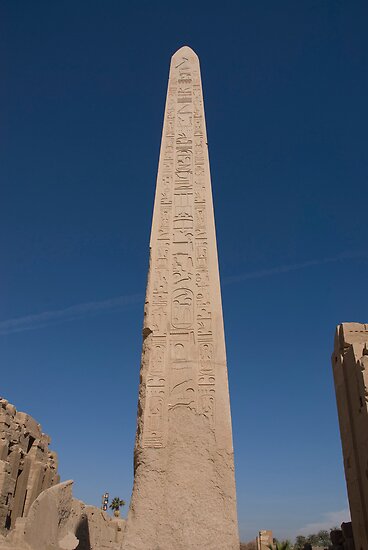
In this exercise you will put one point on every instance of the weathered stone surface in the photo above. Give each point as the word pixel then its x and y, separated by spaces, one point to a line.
pixel 50 518
pixel 105 532
pixel 264 539
pixel 184 488
pixel 350 368
pixel 27 466
pixel 58 521
pixel 69 542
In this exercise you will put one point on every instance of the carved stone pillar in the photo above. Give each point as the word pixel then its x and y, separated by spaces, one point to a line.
pixel 184 487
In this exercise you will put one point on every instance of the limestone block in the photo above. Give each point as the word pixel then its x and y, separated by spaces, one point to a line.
pixel 57 521
pixel 45 440
pixel 6 491
pixel 102 530
pixel 14 458
pixel 119 527
pixel 5 421
pixel 4 449
pixel 21 490
pixel 264 539
pixel 47 521
pixel 11 409
pixel 69 542
pixel 37 451
pixel 33 467
pixel 34 483
pixel 29 424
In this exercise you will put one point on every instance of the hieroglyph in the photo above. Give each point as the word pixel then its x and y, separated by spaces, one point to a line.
pixel 181 369
pixel 184 422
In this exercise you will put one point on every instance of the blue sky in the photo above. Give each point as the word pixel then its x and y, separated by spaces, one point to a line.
pixel 82 99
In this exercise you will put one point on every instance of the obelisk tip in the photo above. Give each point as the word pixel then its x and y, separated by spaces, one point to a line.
pixel 185 50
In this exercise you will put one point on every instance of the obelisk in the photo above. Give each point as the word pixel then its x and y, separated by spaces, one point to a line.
pixel 184 487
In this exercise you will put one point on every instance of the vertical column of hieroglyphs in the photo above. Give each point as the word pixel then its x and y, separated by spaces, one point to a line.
pixel 182 315
pixel 206 372
pixel 179 293
pixel 157 299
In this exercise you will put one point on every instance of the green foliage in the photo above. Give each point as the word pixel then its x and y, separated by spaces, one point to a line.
pixel 300 542
pixel 284 545
pixel 322 538
pixel 116 503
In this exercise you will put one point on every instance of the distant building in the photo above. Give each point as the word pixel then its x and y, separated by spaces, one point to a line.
pixel 264 539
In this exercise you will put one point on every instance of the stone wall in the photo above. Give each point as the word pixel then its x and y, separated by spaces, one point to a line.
pixel 58 521
pixel 350 368
pixel 27 466
pixel 263 540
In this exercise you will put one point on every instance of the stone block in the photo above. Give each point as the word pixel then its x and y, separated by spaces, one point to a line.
pixel 24 448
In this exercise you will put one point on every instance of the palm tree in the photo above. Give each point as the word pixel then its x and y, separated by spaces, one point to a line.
pixel 116 504
pixel 284 545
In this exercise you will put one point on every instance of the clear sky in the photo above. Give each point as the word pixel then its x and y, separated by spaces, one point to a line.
pixel 82 95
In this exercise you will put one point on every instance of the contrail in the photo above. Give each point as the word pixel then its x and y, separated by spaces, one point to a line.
pixel 291 267
pixel 46 318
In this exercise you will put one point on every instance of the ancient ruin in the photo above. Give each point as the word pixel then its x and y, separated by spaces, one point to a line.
pixel 264 539
pixel 36 511
pixel 350 368
pixel 184 487
pixel 27 466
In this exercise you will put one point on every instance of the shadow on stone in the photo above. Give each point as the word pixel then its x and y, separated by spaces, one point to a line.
pixel 82 534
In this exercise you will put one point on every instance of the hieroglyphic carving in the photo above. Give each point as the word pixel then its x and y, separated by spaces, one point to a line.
pixel 182 269
pixel 199 193
pixel 206 381
pixel 206 401
pixel 206 357
pixel 182 308
pixel 162 255
pixel 155 419
pixel 159 314
pixel 183 384
pixel 166 185
pixel 157 357
pixel 160 287
pixel 183 212
pixel 153 435
pixel 206 374
pixel 180 279
pixel 183 394
pixel 201 255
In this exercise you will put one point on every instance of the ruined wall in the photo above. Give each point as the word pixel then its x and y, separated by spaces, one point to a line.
pixel 263 540
pixel 57 520
pixel 350 368
pixel 27 466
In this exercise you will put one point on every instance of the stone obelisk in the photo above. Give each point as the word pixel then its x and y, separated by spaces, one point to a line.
pixel 184 487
